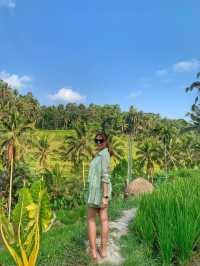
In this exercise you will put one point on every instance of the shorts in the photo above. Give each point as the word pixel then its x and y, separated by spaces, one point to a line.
pixel 92 205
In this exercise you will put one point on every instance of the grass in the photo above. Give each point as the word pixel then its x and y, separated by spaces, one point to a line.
pixel 167 229
pixel 135 252
pixel 168 220
pixel 64 244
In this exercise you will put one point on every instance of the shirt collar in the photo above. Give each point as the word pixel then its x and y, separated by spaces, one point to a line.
pixel 103 150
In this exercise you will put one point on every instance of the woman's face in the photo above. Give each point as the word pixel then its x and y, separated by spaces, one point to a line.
pixel 100 142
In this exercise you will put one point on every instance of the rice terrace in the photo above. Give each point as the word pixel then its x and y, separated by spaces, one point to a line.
pixel 99 133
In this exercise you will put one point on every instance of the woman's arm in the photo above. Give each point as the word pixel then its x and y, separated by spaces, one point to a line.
pixel 105 168
pixel 105 189
pixel 105 174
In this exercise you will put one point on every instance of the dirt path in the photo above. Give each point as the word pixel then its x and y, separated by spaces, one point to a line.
pixel 117 228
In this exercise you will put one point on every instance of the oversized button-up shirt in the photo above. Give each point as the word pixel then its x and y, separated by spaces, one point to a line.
pixel 99 172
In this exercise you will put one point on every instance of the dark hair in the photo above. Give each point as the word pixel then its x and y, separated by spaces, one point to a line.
pixel 105 137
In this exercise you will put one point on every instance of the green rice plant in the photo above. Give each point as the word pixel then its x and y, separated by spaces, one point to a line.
pixel 169 219
pixel 146 229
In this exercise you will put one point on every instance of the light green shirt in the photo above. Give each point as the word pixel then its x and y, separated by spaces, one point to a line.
pixel 99 172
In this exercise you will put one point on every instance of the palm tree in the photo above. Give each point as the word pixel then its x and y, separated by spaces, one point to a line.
pixel 5 93
pixel 195 85
pixel 79 148
pixel 123 123
pixel 118 147
pixel 148 154
pixel 189 149
pixel 195 117
pixel 13 129
pixel 44 149
pixel 165 134
pixel 55 180
pixel 172 153
pixel 134 121
pixel 195 111
pixel 196 154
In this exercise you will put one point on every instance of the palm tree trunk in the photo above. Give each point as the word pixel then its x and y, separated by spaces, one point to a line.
pixel 10 189
pixel 129 159
pixel 83 173
pixel 172 160
pixel 165 159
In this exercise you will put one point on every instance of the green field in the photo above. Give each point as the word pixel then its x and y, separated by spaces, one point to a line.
pixel 56 138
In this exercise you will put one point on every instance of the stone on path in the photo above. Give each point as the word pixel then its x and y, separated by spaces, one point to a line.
pixel 117 228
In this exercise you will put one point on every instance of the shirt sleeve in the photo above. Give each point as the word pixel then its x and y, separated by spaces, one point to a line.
pixel 105 168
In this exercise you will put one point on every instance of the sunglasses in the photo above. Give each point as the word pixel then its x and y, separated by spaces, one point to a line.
pixel 99 141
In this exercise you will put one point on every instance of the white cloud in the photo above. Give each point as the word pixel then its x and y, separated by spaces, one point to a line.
pixel 8 3
pixel 161 72
pixel 135 94
pixel 182 66
pixel 185 66
pixel 66 94
pixel 14 80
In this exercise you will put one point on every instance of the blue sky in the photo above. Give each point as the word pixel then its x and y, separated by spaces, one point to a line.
pixel 141 53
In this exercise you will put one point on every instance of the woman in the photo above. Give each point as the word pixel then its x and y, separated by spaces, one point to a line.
pixel 99 194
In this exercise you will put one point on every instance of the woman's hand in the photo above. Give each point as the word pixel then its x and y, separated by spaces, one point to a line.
pixel 104 203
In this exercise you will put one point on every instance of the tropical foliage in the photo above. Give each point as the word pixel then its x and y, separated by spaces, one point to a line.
pixel 57 143
pixel 32 215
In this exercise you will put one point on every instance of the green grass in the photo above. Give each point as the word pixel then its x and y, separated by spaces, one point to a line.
pixel 64 244
pixel 135 252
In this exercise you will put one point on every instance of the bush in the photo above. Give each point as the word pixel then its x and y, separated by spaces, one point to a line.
pixel 65 192
pixel 169 220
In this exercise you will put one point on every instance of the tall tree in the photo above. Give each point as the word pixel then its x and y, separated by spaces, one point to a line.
pixel 148 154
pixel 134 125
pixel 79 147
pixel 12 132
pixel 195 110
pixel 164 132
pixel 118 147
pixel 44 149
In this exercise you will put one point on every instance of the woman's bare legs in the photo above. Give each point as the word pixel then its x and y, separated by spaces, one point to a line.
pixel 91 221
pixel 104 230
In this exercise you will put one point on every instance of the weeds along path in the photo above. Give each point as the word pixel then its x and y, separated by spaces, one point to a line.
pixel 117 228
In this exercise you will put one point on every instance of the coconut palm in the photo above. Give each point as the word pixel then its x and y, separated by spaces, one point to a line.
pixel 5 94
pixel 134 121
pixel 44 150
pixel 196 159
pixel 79 148
pixel 12 142
pixel 189 151
pixel 165 134
pixel 195 85
pixel 148 154
pixel 195 111
pixel 195 117
pixel 173 153
pixel 118 147
pixel 122 123
pixel 55 181
pixel 130 119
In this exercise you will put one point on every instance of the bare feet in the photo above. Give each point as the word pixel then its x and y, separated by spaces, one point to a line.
pixel 102 252
pixel 93 255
